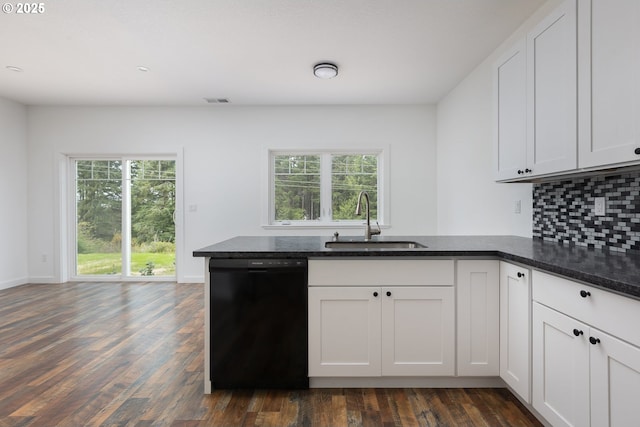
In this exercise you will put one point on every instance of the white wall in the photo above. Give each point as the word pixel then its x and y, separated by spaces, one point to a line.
pixel 469 201
pixel 215 142
pixel 13 194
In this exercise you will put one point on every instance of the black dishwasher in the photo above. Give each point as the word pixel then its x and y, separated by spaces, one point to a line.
pixel 258 323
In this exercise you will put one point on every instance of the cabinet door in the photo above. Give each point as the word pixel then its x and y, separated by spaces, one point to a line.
pixel 510 113
pixel 418 335
pixel 609 32
pixel 478 308
pixel 515 327
pixel 560 368
pixel 615 381
pixel 344 331
pixel 551 96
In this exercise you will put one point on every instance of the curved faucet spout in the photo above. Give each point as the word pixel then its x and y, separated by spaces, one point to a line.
pixel 358 209
pixel 368 231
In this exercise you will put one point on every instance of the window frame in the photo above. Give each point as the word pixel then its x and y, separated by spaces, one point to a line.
pixel 326 215
pixel 71 271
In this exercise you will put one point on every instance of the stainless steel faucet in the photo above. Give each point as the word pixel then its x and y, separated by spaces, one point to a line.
pixel 368 231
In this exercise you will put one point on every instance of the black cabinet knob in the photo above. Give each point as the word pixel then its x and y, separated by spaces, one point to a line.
pixel 388 293
pixel 527 170
pixel 520 172
pixel 585 294
pixel 637 150
pixel 594 341
pixel 520 274
pixel 577 332
pixel 375 294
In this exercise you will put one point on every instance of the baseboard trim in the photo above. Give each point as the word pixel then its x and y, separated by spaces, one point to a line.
pixel 191 279
pixel 13 283
pixel 406 382
pixel 44 280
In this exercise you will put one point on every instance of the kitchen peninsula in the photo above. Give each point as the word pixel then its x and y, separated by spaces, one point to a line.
pixel 554 323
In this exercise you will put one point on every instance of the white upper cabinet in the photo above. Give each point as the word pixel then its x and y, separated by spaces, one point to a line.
pixel 609 39
pixel 510 101
pixel 552 92
pixel 535 107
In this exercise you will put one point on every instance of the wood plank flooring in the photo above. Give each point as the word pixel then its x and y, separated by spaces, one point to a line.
pixel 131 354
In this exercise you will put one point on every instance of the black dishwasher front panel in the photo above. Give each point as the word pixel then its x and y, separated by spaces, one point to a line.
pixel 258 323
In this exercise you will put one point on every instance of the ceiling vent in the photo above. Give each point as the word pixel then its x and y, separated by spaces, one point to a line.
pixel 217 100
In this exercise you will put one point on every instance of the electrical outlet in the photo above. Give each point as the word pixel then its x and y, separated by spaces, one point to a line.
pixel 44 257
pixel 517 206
pixel 599 206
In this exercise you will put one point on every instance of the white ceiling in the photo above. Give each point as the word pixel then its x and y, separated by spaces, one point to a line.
pixel 253 52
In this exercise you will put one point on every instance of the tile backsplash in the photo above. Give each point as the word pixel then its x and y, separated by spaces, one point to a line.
pixel 563 211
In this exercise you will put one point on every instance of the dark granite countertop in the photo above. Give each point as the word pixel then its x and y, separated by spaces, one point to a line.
pixel 613 271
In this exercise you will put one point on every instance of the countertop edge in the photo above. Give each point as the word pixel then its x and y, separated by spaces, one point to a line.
pixel 507 248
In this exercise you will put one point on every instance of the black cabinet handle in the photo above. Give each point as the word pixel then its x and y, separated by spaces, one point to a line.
pixel 594 341
pixel 375 294
pixel 577 332
pixel 388 293
pixel 585 294
pixel 520 274
pixel 637 150
pixel 527 170
pixel 520 172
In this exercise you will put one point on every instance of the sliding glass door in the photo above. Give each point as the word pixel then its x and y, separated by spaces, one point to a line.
pixel 125 211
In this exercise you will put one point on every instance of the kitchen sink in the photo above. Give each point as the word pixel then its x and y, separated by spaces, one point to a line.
pixel 378 244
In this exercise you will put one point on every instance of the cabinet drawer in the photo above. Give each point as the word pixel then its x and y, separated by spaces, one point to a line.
pixel 605 310
pixel 389 272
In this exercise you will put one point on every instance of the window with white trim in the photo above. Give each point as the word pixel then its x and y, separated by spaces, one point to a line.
pixel 322 188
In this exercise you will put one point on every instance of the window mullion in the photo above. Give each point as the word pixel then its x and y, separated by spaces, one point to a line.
pixel 325 187
pixel 126 218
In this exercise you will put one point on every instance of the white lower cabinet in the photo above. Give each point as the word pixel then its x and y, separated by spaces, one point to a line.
pixel 389 331
pixel 515 328
pixel 344 331
pixel 615 381
pixel 569 349
pixel 418 333
pixel 561 368
pixel 362 325
pixel 478 316
pixel 583 376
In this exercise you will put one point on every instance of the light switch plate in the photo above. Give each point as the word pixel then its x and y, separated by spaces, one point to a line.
pixel 599 207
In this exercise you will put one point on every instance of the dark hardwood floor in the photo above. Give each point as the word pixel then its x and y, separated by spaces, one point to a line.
pixel 131 354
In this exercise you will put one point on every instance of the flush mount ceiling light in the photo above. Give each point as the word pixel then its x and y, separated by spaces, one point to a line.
pixel 14 68
pixel 325 70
